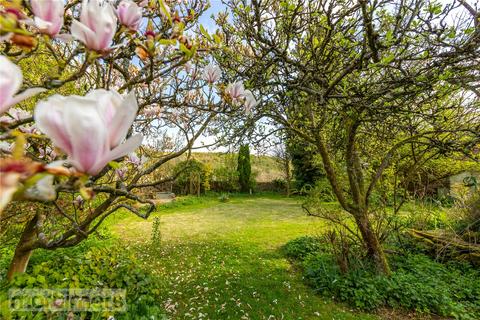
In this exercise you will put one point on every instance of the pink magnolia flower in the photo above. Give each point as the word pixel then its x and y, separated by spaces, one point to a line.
pixel 48 15
pixel 151 111
pixel 5 146
pixel 89 129
pixel 78 202
pixel 14 115
pixel 250 101
pixel 121 173
pixel 10 82
pixel 129 14
pixel 28 129
pixel 97 25
pixel 135 160
pixel 212 73
pixel 47 153
pixel 236 91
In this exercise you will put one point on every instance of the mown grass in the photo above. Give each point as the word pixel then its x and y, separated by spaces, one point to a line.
pixel 222 260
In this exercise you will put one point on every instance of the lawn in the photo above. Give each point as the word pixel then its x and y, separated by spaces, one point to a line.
pixel 217 260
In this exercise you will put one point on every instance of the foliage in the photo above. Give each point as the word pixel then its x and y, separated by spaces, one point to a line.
pixel 417 282
pixel 225 178
pixel 156 235
pixel 191 177
pixel 95 268
pixel 320 192
pixel 279 185
pixel 300 248
pixel 244 169
pixel 307 167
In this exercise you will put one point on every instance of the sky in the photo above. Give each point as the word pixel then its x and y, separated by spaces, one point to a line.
pixel 205 19
pixel 208 23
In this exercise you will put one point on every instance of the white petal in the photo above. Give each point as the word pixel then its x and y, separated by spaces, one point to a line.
pixel 123 119
pixel 125 148
pixel 26 94
pixel 86 131
pixel 83 34
pixel 49 119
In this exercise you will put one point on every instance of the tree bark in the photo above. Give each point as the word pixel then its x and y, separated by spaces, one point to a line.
pixel 373 246
pixel 24 250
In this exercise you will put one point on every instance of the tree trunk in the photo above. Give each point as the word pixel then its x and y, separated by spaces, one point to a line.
pixel 23 251
pixel 370 240
pixel 287 175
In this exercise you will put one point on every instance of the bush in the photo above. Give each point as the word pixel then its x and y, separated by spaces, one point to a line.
pixel 97 268
pixel 417 283
pixel 301 247
pixel 192 177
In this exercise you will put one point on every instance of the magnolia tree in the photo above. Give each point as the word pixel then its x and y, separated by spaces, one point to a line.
pixel 105 83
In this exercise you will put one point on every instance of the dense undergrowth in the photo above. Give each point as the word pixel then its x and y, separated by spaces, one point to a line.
pixel 98 263
pixel 418 282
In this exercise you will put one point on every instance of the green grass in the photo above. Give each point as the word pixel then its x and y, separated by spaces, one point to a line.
pixel 222 260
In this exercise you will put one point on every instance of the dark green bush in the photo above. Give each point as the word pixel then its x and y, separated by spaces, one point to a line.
pixel 244 169
pixel 96 268
pixel 301 247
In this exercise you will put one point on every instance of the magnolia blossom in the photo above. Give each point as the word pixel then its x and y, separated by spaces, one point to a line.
pixel 250 101
pixel 121 173
pixel 212 73
pixel 89 129
pixel 151 111
pixel 97 25
pixel 236 91
pixel 47 153
pixel 5 146
pixel 135 160
pixel 10 82
pixel 48 15
pixel 78 202
pixel 14 115
pixel 28 129
pixel 129 14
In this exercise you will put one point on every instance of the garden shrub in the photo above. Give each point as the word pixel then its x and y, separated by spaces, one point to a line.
pixel 417 283
pixel 97 268
pixel 191 177
pixel 301 247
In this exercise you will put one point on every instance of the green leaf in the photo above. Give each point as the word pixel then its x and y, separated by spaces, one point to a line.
pixel 114 165
pixel 167 42
pixel 205 33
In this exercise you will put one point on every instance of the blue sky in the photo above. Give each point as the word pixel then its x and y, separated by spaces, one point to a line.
pixel 205 19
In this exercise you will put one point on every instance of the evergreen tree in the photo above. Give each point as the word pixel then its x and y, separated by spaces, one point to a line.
pixel 244 168
pixel 305 170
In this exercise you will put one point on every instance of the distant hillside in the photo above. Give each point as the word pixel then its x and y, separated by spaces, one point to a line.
pixel 265 168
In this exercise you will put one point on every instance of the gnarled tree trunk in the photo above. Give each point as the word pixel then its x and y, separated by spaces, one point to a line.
pixel 24 250
pixel 372 244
